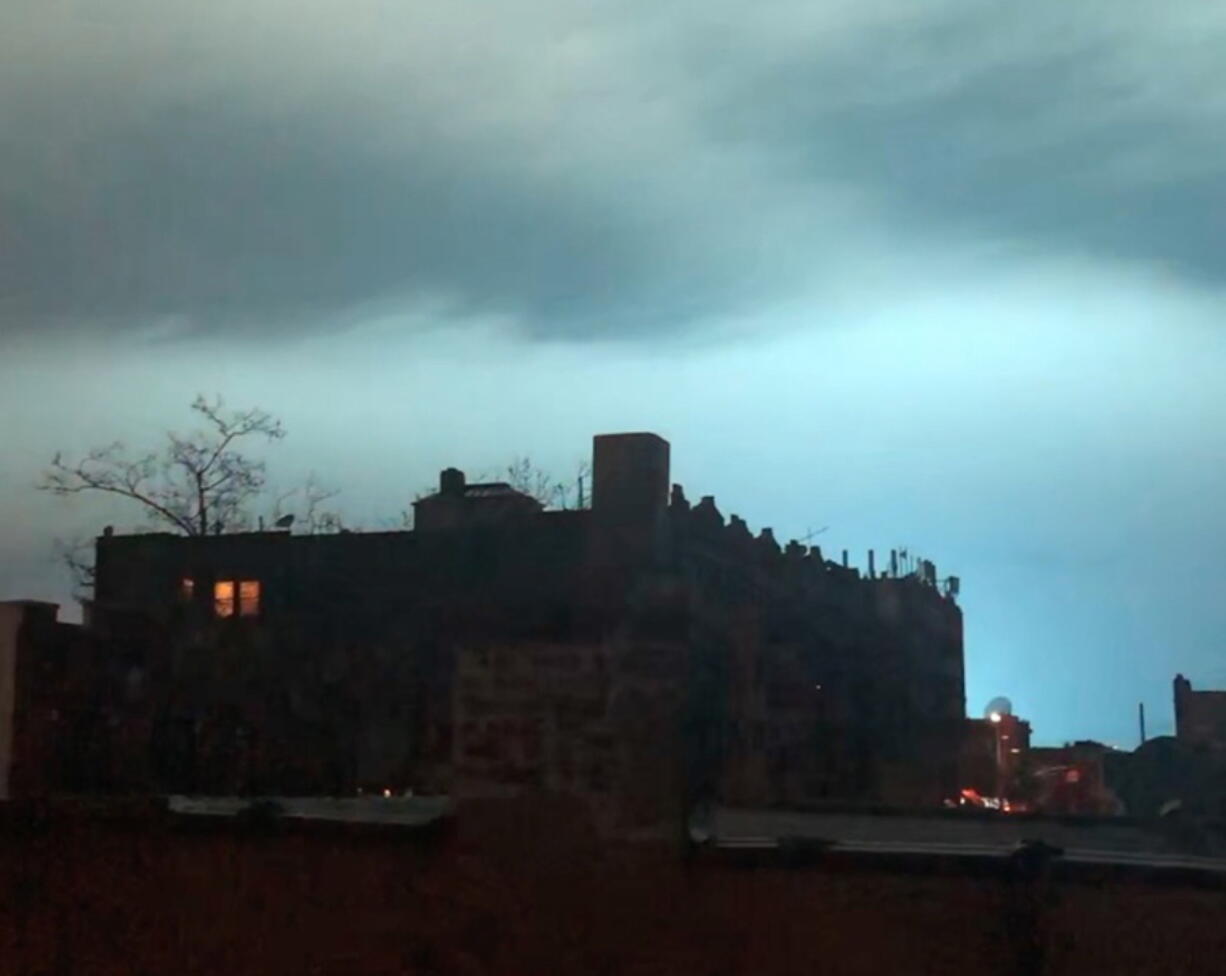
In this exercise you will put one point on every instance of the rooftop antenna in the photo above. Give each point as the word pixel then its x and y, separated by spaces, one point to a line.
pixel 809 535
pixel 912 565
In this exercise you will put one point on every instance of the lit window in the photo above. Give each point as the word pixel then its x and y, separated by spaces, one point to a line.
pixel 223 598
pixel 187 589
pixel 249 598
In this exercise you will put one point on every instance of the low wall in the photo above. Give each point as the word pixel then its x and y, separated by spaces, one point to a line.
pixel 525 887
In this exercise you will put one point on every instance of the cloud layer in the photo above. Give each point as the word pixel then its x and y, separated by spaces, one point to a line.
pixel 582 169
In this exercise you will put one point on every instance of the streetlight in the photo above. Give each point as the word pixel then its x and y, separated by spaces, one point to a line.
pixel 994 718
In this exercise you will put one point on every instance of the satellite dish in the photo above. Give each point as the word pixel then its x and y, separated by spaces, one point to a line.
pixel 1000 705
pixel 284 522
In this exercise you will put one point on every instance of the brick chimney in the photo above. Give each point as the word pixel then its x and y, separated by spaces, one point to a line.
pixel 451 482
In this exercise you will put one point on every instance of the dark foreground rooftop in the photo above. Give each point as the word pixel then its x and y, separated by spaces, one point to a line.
pixel 202 885
pixel 1119 843
pixel 952 836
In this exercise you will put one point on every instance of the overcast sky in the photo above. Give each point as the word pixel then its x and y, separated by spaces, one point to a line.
pixel 944 275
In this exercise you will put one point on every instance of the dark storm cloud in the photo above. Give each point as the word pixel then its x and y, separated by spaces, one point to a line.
pixel 603 172
pixel 238 219
pixel 1053 153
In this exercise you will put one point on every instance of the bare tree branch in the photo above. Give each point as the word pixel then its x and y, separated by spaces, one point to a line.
pixel 199 483
pixel 104 470
pixel 76 554
pixel 316 518
pixel 311 516
pixel 524 476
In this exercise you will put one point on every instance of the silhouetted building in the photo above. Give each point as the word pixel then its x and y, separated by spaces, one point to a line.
pixel 1071 779
pixel 646 654
pixel 35 685
pixel 457 504
pixel 1166 776
pixel 994 755
pixel 74 708
pixel 1200 716
pixel 1183 774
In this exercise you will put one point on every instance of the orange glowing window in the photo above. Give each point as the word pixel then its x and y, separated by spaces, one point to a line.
pixel 223 598
pixel 249 598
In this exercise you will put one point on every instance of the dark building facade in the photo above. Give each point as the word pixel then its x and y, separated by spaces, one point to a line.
pixel 75 708
pixel 647 654
pixel 1183 775
pixel 994 756
pixel 1072 780
pixel 1200 716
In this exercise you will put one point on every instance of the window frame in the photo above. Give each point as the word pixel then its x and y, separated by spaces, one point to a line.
pixel 235 597
pixel 229 601
pixel 249 598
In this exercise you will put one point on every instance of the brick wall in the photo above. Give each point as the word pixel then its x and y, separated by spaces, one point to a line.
pixel 527 889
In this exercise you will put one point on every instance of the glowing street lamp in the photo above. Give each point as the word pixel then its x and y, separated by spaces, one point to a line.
pixel 994 718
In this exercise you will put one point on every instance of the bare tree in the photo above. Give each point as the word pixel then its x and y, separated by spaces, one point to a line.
pixel 76 555
pixel 313 518
pixel 524 476
pixel 197 484
pixel 577 492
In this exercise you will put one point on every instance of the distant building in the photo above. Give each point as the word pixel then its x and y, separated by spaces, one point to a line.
pixel 1164 776
pixel 1183 774
pixel 31 644
pixel 993 755
pixel 1200 716
pixel 646 654
pixel 1072 779
pixel 458 504
pixel 71 713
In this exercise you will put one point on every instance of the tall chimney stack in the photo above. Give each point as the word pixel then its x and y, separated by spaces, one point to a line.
pixel 630 487
pixel 630 476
